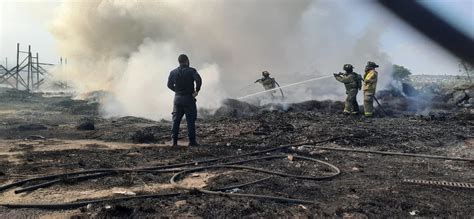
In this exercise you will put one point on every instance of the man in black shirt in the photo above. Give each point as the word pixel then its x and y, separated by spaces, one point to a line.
pixel 181 81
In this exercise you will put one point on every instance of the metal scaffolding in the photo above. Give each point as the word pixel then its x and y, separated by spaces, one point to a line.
pixel 28 74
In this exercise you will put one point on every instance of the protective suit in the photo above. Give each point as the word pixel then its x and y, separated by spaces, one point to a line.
pixel 370 85
pixel 267 82
pixel 353 82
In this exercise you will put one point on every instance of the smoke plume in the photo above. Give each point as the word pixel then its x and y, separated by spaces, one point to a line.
pixel 129 47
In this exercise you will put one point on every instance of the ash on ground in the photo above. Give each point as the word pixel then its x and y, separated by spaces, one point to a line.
pixel 44 134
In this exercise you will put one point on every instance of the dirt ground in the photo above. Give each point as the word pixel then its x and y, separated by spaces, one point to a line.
pixel 39 136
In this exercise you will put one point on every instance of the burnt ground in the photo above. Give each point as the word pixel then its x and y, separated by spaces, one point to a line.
pixel 369 186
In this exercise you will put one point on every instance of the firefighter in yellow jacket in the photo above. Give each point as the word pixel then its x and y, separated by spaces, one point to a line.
pixel 370 84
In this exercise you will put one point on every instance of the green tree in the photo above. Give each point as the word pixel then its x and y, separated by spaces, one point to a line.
pixel 399 72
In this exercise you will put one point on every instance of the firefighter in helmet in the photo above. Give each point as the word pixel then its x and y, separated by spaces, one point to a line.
pixel 353 83
pixel 267 82
pixel 370 84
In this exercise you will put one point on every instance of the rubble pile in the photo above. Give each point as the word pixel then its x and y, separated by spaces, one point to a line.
pixel 240 109
pixel 456 90
pixel 404 99
pixel 463 96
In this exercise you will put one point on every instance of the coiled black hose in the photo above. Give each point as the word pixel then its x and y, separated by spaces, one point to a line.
pixel 94 173
pixel 174 168
pixel 116 170
pixel 336 171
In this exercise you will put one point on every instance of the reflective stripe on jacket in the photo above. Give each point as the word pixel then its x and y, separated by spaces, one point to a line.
pixel 370 81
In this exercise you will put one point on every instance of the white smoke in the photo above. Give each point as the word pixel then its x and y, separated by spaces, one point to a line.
pixel 129 48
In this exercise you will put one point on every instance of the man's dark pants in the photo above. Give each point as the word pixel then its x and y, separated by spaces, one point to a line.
pixel 184 105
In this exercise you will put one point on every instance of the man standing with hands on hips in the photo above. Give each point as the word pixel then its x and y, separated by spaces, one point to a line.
pixel 181 81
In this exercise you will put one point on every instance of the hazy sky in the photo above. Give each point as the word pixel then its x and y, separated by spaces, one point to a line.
pixel 27 22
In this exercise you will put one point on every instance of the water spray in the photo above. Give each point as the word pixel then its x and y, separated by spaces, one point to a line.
pixel 246 87
pixel 284 86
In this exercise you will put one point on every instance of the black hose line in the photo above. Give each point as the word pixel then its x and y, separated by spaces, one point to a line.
pixel 393 153
pixel 242 185
pixel 87 177
pixel 91 171
pixel 31 188
pixel 70 179
pixel 71 205
pixel 95 173
pixel 56 206
pixel 336 170
pixel 47 177
pixel 174 179
pixel 173 168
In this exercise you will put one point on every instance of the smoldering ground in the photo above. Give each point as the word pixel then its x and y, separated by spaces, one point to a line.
pixel 129 47
pixel 43 135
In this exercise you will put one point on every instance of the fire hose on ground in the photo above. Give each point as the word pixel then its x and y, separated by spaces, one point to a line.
pixel 181 171
pixel 65 176
pixel 95 173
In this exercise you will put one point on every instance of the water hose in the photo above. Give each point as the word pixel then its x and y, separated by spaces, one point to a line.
pixel 163 167
pixel 94 173
pixel 393 153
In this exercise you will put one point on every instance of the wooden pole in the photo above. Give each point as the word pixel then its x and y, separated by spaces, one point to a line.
pixel 37 71
pixel 29 69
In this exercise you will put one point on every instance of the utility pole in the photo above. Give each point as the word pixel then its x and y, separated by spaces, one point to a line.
pixel 37 72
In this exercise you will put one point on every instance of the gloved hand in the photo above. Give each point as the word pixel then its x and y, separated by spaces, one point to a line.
pixel 195 93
